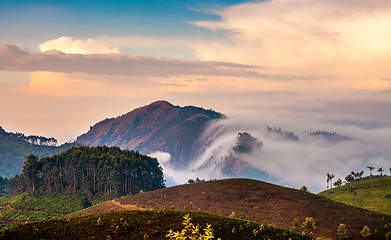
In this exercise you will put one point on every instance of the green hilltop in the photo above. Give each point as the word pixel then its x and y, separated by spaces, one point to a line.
pixel 371 194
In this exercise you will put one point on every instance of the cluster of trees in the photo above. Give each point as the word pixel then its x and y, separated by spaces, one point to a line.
pixel 3 184
pixel 33 139
pixel 96 172
pixel 354 176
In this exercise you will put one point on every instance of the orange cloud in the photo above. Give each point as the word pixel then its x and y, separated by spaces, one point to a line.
pixel 372 84
pixel 52 84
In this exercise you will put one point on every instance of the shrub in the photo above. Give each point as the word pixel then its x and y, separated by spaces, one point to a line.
pixel 309 226
pixel 191 232
pixel 365 232
pixel 342 231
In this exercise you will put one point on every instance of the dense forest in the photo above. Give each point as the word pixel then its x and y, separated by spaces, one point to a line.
pixel 15 147
pixel 95 172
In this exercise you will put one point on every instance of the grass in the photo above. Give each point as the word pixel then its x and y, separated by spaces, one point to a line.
pixel 370 194
pixel 150 224
pixel 258 201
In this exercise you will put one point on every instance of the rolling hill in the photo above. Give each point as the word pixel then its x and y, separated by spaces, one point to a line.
pixel 258 201
pixel 14 148
pixel 159 126
pixel 368 194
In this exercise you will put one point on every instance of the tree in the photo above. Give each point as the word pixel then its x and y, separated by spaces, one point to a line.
pixel 328 175
pixel 304 188
pixel 342 231
pixel 30 170
pixel 370 171
pixel 380 170
pixel 309 227
pixel 365 232
pixel 331 179
pixel 349 178
pixel 338 183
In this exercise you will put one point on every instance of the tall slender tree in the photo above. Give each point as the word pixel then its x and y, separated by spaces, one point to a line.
pixel 331 179
pixel 370 171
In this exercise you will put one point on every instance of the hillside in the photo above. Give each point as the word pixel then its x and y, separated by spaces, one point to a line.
pixel 14 148
pixel 153 224
pixel 255 200
pixel 368 194
pixel 159 126
pixel 27 207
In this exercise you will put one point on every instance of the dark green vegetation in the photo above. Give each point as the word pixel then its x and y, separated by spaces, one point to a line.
pixel 150 224
pixel 368 194
pixel 258 201
pixel 27 207
pixel 94 172
pixel 159 126
pixel 15 147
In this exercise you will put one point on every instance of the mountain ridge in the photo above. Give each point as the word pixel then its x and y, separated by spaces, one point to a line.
pixel 159 126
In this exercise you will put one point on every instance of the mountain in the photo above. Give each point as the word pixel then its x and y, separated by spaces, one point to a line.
pixel 15 147
pixel 371 194
pixel 159 126
pixel 258 201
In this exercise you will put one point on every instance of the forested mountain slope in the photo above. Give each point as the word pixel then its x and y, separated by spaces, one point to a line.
pixel 15 147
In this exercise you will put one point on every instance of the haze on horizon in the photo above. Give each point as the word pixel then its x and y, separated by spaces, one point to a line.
pixel 66 65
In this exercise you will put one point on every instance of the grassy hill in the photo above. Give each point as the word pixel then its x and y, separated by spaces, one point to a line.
pixel 150 224
pixel 258 201
pixel 370 194
pixel 26 207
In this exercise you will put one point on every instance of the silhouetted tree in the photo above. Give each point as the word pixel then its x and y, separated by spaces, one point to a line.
pixel 338 183
pixel 370 171
pixel 380 170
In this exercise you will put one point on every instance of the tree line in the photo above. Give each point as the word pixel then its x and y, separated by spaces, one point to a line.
pixel 354 176
pixel 95 172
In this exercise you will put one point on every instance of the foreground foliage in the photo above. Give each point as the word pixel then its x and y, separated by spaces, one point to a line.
pixel 148 224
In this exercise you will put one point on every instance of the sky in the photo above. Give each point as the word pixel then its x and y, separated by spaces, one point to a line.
pixel 66 65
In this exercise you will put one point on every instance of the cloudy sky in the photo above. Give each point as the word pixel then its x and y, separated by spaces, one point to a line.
pixel 67 64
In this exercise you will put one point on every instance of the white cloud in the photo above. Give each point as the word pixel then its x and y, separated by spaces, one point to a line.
pixel 291 163
pixel 77 46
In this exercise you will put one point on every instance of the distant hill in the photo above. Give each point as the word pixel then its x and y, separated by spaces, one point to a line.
pixel 159 126
pixel 368 194
pixel 15 147
pixel 153 224
pixel 259 201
